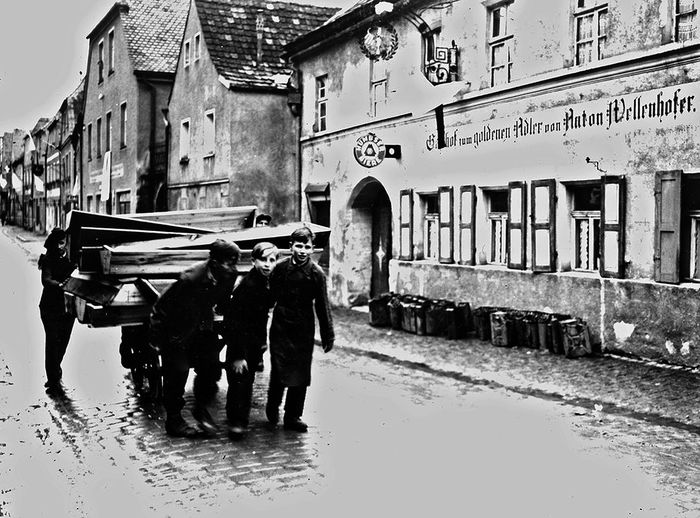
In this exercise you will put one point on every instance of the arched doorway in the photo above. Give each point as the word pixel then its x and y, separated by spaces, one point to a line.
pixel 371 199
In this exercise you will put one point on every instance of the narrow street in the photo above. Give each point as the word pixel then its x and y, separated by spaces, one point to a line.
pixel 385 438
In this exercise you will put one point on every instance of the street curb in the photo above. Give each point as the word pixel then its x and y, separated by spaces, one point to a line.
pixel 567 399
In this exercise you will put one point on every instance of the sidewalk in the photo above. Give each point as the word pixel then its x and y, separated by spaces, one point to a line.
pixel 648 391
pixel 655 393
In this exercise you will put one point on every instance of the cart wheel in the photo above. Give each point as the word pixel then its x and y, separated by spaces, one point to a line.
pixel 137 377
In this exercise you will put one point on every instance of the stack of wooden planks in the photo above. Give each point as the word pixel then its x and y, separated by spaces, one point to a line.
pixel 125 262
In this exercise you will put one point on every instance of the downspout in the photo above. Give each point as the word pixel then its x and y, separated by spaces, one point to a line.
pixel 166 182
pixel 148 180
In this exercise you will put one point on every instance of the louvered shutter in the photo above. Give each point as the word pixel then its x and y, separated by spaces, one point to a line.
pixel 517 226
pixel 467 216
pixel 543 213
pixel 445 224
pixel 406 224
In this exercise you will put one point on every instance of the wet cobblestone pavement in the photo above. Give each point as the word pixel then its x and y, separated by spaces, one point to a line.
pixel 647 391
pixel 400 424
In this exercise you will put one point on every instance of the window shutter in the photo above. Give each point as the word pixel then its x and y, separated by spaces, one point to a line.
pixel 667 241
pixel 543 213
pixel 517 229
pixel 406 225
pixel 612 226
pixel 467 216
pixel 446 203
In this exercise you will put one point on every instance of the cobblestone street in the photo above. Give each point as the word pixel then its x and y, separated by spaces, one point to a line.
pixel 399 425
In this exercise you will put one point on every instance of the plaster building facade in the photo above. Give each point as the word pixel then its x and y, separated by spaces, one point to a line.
pixel 233 112
pixel 71 122
pixel 131 63
pixel 512 154
pixel 10 191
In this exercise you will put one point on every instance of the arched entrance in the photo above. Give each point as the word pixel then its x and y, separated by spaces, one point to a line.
pixel 371 200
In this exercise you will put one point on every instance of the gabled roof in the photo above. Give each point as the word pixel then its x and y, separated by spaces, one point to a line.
pixel 230 33
pixel 153 30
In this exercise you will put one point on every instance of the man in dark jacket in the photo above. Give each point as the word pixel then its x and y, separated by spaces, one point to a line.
pixel 298 286
pixel 181 329
pixel 245 334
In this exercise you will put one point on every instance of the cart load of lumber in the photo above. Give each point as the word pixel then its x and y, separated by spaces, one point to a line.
pixel 125 263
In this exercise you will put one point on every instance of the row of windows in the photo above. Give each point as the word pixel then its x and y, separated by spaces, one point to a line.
pixel 595 212
pixel 101 56
pixel 596 219
pixel 208 132
pixel 122 203
pixel 440 63
pixel 103 133
pixel 196 50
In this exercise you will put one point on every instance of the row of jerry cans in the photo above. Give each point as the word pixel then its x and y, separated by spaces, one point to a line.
pixel 554 332
pixel 420 315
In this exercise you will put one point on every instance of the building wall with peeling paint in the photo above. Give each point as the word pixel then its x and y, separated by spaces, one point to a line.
pixel 544 124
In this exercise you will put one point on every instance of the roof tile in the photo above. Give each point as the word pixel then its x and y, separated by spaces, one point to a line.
pixel 229 30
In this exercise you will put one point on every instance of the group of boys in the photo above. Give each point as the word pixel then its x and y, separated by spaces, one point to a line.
pixel 182 331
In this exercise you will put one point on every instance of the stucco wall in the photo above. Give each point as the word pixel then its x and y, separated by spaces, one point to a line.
pixel 256 139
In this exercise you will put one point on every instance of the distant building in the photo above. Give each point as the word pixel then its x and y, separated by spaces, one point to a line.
pixel 508 154
pixel 71 123
pixel 233 115
pixel 131 64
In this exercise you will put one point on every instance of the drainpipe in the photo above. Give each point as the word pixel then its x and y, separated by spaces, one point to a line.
pixel 165 183
pixel 151 147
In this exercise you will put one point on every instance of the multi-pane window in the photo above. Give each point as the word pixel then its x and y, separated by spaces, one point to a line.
pixel 88 203
pixel 209 132
pixel 186 53
pixel 100 61
pixel 197 42
pixel 690 243
pixel 686 20
pixel 89 141
pixel 500 44
pixel 497 206
pixel 110 49
pixel 378 88
pixel 108 131
pixel 124 202
pixel 122 125
pixel 185 139
pixel 98 138
pixel 591 20
pixel 431 225
pixel 321 101
pixel 585 219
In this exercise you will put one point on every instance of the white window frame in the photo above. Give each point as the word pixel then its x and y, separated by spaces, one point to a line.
pixel 686 20
pixel 497 228
pixel 117 196
pixel 431 226
pixel 585 260
pixel 185 138
pixel 209 132
pixel 321 114
pixel 500 39
pixel 186 53
pixel 597 14
pixel 110 50
pixel 100 61
pixel 197 44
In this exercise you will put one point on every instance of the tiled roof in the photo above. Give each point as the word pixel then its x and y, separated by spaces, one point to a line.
pixel 230 34
pixel 153 30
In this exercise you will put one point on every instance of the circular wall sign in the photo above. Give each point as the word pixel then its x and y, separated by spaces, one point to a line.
pixel 369 150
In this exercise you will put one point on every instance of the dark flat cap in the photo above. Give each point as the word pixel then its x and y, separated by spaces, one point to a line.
pixel 223 250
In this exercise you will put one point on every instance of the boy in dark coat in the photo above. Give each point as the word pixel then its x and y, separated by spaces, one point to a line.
pixel 298 286
pixel 182 331
pixel 245 334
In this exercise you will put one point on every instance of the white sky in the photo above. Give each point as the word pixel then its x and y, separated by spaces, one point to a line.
pixel 43 49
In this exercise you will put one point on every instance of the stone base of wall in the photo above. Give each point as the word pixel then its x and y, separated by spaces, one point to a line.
pixel 639 318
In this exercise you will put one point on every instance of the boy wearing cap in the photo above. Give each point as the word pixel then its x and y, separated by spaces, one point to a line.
pixel 245 334
pixel 181 330
pixel 298 287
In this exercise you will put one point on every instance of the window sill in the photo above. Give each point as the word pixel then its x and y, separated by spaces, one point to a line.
pixel 184 160
pixel 209 155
